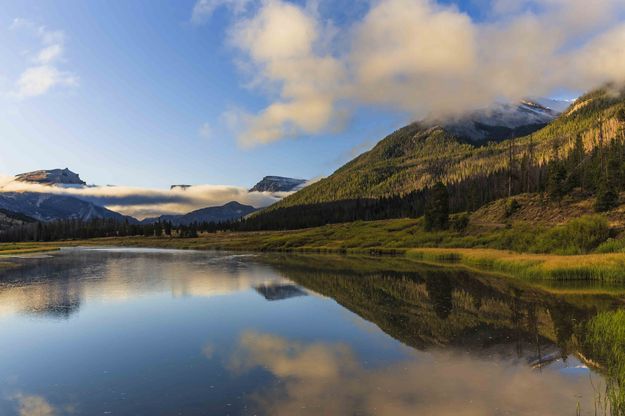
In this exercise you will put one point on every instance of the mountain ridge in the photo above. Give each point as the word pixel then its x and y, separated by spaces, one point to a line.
pixel 418 155
pixel 232 210
pixel 50 207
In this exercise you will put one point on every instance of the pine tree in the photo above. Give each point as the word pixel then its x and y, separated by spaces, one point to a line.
pixel 574 165
pixel 609 183
pixel 607 197
pixel 437 208
pixel 556 180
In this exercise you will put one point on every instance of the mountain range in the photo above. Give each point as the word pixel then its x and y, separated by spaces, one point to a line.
pixel 228 212
pixel 10 219
pixel 51 207
pixel 479 146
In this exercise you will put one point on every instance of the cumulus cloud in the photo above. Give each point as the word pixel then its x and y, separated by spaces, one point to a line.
pixel 44 73
pixel 419 57
pixel 149 202
pixel 282 42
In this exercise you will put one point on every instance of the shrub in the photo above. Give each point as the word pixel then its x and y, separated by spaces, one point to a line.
pixel 460 222
pixel 611 246
pixel 581 235
pixel 512 206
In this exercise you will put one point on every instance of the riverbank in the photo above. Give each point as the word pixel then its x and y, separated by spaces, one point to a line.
pixel 478 247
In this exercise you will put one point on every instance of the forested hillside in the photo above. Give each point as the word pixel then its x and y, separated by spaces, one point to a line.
pixel 392 179
pixel 417 156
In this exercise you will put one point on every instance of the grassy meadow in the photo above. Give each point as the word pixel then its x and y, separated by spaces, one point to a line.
pixel 582 249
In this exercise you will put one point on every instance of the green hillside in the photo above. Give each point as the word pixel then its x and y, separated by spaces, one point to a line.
pixel 415 157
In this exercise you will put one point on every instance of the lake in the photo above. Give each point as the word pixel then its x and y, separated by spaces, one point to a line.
pixel 165 332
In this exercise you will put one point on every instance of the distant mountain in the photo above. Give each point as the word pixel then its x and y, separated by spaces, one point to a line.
pixel 180 187
pixel 500 122
pixel 50 207
pixel 278 184
pixel 51 177
pixel 10 219
pixel 230 211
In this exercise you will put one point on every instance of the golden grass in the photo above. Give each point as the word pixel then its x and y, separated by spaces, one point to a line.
pixel 397 237
pixel 599 267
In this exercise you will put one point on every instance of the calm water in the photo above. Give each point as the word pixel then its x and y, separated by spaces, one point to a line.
pixel 149 332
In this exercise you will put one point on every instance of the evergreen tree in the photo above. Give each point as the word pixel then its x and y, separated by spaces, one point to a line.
pixel 556 179
pixel 607 197
pixel 574 164
pixel 609 183
pixel 437 208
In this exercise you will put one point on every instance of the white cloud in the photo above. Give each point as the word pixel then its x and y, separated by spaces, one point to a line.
pixel 282 42
pixel 205 131
pixel 37 80
pixel 419 57
pixel 44 74
pixel 50 53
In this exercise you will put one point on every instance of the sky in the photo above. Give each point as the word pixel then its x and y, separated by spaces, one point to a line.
pixel 150 93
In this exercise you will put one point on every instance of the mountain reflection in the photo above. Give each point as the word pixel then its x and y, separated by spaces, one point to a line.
pixel 484 324
pixel 473 344
pixel 56 286
pixel 279 291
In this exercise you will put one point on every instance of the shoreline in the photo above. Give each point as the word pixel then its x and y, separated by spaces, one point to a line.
pixel 597 268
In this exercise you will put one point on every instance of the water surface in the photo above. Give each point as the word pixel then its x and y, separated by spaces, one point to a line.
pixel 164 332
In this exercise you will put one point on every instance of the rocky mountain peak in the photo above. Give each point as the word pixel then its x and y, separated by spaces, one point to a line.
pixel 51 177
pixel 501 121
pixel 278 184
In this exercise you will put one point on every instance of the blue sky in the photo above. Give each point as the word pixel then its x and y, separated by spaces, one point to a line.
pixel 136 81
pixel 148 80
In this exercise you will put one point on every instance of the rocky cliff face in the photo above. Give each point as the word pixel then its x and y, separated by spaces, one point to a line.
pixel 278 184
pixel 51 177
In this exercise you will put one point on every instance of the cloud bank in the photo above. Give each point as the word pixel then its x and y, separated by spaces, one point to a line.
pixel 148 202
pixel 418 57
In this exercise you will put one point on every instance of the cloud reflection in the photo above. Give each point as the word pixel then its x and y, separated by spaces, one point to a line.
pixel 33 405
pixel 324 378
pixel 57 287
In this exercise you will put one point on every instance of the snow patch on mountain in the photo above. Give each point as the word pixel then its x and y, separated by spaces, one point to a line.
pixel 279 184
pixel 503 120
